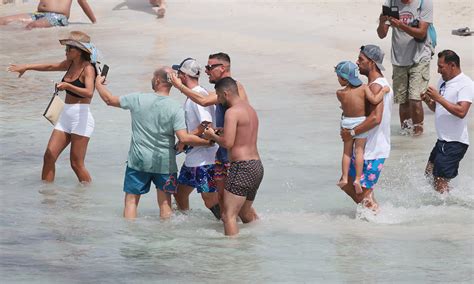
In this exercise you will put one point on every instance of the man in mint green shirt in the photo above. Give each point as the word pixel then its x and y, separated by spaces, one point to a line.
pixel 156 118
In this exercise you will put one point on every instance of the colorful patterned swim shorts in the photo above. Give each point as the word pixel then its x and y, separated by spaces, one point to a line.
pixel 221 170
pixel 201 178
pixel 371 174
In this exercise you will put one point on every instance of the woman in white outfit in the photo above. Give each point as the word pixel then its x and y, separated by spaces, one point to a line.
pixel 76 123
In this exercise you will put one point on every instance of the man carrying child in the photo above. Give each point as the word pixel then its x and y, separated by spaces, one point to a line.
pixel 353 105
pixel 377 124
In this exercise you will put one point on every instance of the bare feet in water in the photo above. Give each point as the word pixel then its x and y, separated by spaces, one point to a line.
pixel 371 204
pixel 357 187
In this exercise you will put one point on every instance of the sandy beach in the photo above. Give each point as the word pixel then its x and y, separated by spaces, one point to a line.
pixel 284 52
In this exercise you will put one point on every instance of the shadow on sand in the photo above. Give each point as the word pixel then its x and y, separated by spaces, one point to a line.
pixel 142 6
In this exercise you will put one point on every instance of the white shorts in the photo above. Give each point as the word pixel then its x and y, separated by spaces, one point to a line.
pixel 352 122
pixel 76 119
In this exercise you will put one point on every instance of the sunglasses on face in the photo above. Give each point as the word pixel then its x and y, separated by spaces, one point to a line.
pixel 69 47
pixel 210 67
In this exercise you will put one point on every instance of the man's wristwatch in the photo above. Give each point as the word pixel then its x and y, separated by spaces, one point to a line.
pixel 352 132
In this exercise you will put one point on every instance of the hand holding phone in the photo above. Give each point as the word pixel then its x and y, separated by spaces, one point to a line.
pixel 104 71
pixel 391 11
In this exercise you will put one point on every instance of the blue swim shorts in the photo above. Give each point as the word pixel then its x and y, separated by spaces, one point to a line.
pixel 137 182
pixel 445 158
pixel 54 19
pixel 201 178
pixel 371 173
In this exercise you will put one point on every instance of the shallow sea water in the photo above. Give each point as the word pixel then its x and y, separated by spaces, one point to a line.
pixel 309 230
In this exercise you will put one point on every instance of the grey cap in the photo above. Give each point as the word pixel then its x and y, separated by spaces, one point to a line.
pixel 189 66
pixel 374 53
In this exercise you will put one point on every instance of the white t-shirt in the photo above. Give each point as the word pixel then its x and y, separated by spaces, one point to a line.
pixel 448 126
pixel 195 114
pixel 378 141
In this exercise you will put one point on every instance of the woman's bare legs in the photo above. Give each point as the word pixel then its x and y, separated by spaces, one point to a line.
pixel 57 143
pixel 78 155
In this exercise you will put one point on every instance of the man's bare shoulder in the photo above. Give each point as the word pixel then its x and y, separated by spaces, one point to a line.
pixel 375 87
pixel 242 92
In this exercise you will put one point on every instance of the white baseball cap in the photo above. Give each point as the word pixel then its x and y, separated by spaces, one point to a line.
pixel 189 66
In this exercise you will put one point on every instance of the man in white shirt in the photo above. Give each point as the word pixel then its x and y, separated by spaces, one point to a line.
pixel 377 124
pixel 451 105
pixel 198 168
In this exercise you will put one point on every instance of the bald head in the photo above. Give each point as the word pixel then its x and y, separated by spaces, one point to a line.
pixel 160 78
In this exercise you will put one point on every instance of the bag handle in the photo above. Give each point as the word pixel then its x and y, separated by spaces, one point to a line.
pixel 56 90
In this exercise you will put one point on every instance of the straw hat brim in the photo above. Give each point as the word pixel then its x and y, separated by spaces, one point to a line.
pixel 74 43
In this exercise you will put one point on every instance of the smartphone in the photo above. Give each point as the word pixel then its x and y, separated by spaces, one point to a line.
pixel 390 11
pixel 104 71
pixel 394 12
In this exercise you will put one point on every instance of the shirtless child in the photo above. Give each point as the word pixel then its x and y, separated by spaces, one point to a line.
pixel 246 169
pixel 352 99
pixel 50 13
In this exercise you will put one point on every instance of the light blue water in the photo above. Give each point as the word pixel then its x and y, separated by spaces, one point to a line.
pixel 309 230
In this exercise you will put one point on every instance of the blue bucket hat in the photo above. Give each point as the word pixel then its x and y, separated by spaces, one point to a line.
pixel 349 71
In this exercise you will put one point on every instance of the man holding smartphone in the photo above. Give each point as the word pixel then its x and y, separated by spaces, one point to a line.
pixel 198 168
pixel 217 68
pixel 411 55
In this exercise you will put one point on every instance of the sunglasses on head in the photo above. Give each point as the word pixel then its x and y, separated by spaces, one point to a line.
pixel 210 67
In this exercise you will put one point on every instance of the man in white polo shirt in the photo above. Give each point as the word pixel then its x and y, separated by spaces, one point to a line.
pixel 451 105
pixel 198 168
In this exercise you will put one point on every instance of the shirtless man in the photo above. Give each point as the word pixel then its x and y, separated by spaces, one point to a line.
pixel 218 67
pixel 50 13
pixel 246 169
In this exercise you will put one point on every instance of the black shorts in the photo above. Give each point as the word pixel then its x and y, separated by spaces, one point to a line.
pixel 244 178
pixel 445 158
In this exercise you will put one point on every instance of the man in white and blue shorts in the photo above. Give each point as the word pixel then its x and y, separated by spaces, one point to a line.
pixel 450 102
pixel 377 124
pixel 198 169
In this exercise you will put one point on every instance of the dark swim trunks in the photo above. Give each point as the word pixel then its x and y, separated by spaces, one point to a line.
pixel 244 178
